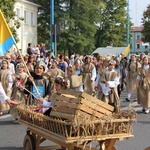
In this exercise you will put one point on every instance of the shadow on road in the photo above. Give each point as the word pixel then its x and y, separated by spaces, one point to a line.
pixel 11 148
pixel 8 122
pixel 144 122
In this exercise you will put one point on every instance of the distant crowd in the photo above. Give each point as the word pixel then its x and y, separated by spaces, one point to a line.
pixel 102 77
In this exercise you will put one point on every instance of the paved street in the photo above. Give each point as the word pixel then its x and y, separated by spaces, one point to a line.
pixel 12 133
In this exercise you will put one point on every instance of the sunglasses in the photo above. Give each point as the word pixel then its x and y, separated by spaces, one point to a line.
pixel 7 58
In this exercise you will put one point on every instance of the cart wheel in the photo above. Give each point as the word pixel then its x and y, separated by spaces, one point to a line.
pixel 113 148
pixel 29 143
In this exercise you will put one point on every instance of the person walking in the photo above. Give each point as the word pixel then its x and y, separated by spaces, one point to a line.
pixel 131 76
pixel 143 86
pixel 89 75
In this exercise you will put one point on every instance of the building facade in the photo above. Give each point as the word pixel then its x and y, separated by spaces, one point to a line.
pixel 137 45
pixel 27 33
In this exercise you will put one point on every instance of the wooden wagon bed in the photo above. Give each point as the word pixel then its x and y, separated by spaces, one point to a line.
pixel 90 120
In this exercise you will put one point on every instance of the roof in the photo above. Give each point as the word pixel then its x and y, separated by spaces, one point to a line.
pixel 109 50
pixel 136 29
pixel 29 2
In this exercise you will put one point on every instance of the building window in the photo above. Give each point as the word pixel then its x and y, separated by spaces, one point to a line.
pixel 138 46
pixel 146 47
pixel 138 37
pixel 18 13
pixel 25 17
pixel 32 18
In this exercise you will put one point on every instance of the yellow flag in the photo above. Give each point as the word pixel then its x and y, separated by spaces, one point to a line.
pixel 6 38
pixel 127 51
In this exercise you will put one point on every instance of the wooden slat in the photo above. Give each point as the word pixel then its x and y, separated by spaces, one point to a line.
pixel 100 137
pixel 110 144
pixel 65 104
pixel 148 148
pixel 68 99
pixel 82 146
pixel 99 102
pixel 68 95
pixel 49 147
pixel 90 111
pixel 62 115
pixel 65 110
pixel 70 92
pixel 95 107
pixel 81 113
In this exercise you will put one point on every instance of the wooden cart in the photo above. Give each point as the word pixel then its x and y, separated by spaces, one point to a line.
pixel 76 121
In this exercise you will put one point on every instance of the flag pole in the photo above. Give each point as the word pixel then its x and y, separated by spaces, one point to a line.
pixel 27 71
pixel 12 42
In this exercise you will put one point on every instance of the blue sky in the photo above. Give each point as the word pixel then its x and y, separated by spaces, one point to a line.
pixel 136 10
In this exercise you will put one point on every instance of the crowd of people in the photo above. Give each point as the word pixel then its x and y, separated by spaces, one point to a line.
pixel 37 76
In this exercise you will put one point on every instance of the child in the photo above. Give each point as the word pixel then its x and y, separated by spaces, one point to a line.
pixel 19 80
pixel 75 80
pixel 60 84
pixel 143 86
pixel 131 75
pixel 109 82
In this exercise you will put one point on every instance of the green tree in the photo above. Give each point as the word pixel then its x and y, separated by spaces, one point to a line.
pixel 78 26
pixel 77 20
pixel 43 21
pixel 112 27
pixel 7 7
pixel 146 25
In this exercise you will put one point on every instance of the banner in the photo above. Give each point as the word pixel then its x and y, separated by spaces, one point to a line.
pixel 127 51
pixel 6 37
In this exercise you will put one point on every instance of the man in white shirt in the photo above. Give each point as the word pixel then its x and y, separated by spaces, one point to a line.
pixel 11 65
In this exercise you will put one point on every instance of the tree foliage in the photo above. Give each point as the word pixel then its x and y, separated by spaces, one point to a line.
pixel 112 27
pixel 77 20
pixel 79 25
pixel 7 7
pixel 146 25
pixel 85 24
pixel 43 21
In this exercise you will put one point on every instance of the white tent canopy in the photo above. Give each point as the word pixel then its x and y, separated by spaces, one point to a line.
pixel 104 51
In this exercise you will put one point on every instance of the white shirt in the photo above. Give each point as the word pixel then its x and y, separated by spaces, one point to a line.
pixel 12 68
pixel 93 74
pixel 112 84
pixel 3 96
pixel 97 79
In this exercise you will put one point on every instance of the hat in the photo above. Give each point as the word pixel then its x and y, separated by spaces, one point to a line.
pixel 117 59
pixel 90 56
pixel 41 63
pixel 55 61
pixel 111 62
pixel 133 55
pixel 77 61
pixel 87 56
pixel 20 64
pixel 5 60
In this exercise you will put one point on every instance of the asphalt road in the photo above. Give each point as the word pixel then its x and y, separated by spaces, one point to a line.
pixel 12 134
